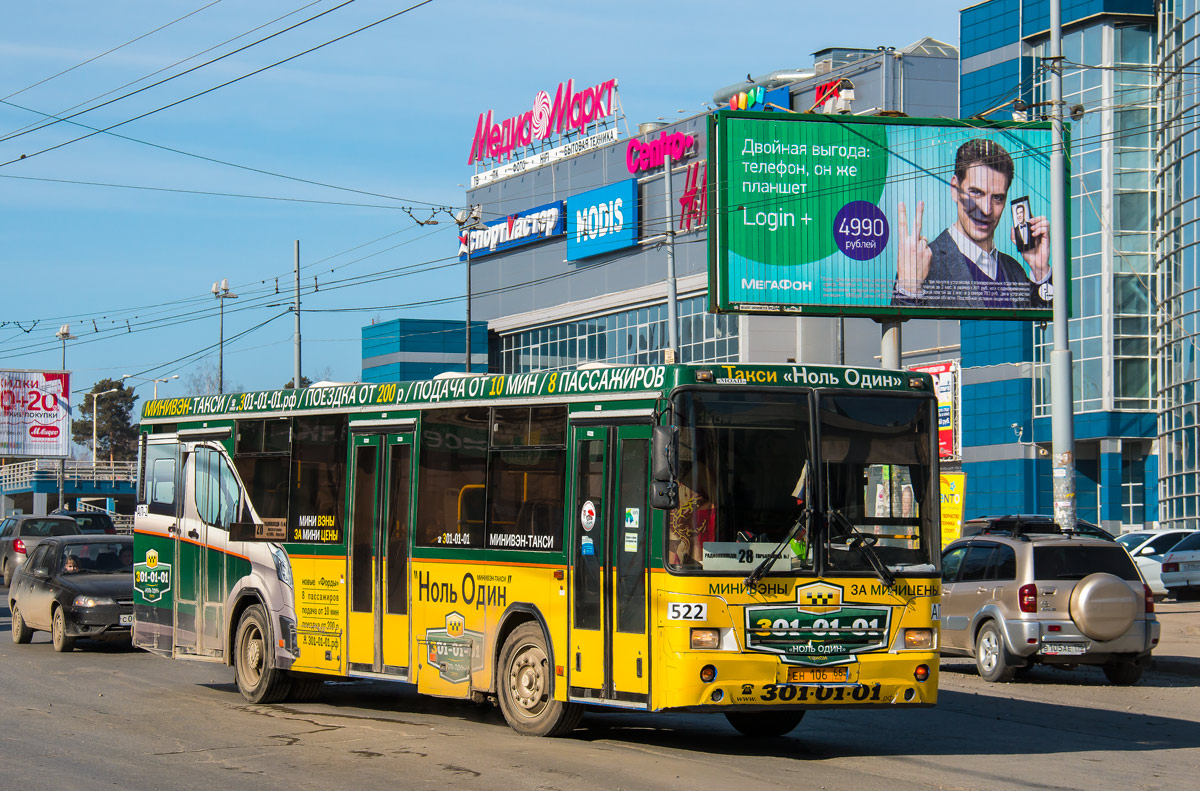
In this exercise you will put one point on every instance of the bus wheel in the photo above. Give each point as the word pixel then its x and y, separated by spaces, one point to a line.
pixel 305 690
pixel 764 724
pixel 524 686
pixel 257 678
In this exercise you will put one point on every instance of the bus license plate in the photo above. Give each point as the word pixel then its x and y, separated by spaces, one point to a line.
pixel 817 675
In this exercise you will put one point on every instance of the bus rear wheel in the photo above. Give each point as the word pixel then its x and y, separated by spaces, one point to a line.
pixel 764 724
pixel 258 679
pixel 524 685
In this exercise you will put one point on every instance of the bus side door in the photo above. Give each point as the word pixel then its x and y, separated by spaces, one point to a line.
pixel 609 656
pixel 212 501
pixel 155 525
pixel 381 496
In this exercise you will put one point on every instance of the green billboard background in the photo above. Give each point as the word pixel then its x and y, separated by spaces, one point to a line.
pixel 792 191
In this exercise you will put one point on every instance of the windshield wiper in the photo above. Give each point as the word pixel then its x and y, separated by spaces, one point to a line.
pixel 766 563
pixel 865 545
pixel 802 519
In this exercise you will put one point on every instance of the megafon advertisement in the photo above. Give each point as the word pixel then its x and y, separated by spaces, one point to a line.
pixel 35 413
pixel 828 215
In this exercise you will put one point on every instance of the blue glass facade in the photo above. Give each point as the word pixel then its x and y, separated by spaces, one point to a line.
pixel 1006 428
pixel 402 350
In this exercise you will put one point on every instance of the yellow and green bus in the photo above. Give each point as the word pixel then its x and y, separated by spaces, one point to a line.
pixel 751 540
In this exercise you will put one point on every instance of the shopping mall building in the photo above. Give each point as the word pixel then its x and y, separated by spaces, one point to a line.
pixel 569 262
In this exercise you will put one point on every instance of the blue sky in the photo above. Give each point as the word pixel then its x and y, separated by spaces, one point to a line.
pixel 390 111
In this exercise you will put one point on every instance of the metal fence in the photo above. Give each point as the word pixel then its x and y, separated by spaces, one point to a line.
pixel 23 474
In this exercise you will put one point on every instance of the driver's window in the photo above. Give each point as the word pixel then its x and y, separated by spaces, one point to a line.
pixel 41 559
pixel 950 564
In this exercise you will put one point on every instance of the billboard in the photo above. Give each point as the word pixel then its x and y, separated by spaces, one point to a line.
pixel 953 489
pixel 35 413
pixel 602 220
pixel 945 387
pixel 828 215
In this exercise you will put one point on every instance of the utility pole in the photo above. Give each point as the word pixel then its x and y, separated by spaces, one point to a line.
pixel 64 335
pixel 1062 401
pixel 296 374
pixel 469 220
pixel 221 292
pixel 672 355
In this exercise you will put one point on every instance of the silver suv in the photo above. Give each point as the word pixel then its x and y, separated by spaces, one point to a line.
pixel 1012 600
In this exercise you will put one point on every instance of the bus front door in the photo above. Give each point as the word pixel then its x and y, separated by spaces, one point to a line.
pixel 381 490
pixel 609 647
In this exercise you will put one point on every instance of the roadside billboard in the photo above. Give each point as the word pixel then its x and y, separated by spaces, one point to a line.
pixel 945 386
pixel 35 417
pixel 828 215
pixel 953 487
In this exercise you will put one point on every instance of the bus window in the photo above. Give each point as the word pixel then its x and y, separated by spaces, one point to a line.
pixel 262 459
pixel 160 479
pixel 453 464
pixel 318 466
pixel 217 492
pixel 525 498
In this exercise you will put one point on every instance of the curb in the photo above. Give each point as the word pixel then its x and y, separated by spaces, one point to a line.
pixel 1183 666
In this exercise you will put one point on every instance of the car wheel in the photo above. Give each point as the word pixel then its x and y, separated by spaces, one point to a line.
pixel 991 657
pixel 258 679
pixel 7 575
pixel 524 685
pixel 764 724
pixel 21 633
pixel 63 642
pixel 1123 674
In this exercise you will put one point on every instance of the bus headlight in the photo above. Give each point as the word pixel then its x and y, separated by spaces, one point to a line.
pixel 283 568
pixel 918 638
pixel 706 638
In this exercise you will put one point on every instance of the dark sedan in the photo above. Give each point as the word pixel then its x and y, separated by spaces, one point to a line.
pixel 74 586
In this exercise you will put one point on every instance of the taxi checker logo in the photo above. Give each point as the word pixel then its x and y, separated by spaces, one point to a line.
pixel 152 578
pixel 820 629
pixel 455 651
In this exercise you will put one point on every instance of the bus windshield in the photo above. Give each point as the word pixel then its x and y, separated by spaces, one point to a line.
pixel 741 454
pixel 876 462
pixel 744 483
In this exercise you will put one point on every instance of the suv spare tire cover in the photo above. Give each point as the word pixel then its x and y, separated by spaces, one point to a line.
pixel 1103 606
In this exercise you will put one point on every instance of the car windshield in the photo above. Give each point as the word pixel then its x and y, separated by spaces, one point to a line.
pixel 1074 562
pixel 876 459
pixel 100 557
pixel 1131 540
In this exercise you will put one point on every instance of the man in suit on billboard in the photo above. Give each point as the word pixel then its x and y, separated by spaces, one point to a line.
pixel 962 268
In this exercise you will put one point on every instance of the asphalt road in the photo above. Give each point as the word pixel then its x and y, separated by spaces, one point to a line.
pixel 110 716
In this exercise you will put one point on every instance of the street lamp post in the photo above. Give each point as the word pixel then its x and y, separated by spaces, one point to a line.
pixel 64 335
pixel 95 399
pixel 221 292
pixel 148 379
pixel 468 220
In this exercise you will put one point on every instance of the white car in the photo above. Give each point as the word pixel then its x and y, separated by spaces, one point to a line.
pixel 1148 548
pixel 1181 568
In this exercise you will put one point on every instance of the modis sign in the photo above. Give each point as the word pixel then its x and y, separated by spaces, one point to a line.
pixel 602 220
pixel 569 111
pixel 524 227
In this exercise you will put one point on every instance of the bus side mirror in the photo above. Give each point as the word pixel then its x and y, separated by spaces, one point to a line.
pixel 664 452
